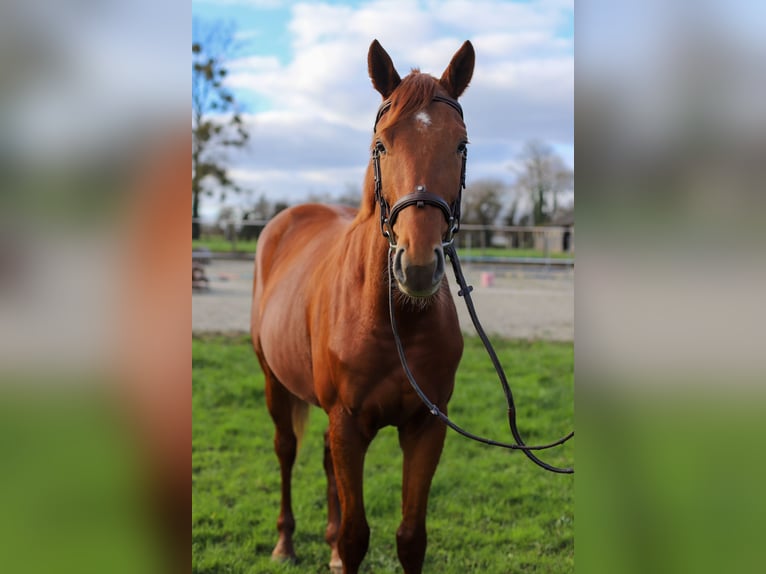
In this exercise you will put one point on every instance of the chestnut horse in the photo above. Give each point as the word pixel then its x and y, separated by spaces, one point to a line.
pixel 320 323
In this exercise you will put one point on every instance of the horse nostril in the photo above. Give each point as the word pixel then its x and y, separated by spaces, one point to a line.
pixel 398 269
pixel 439 268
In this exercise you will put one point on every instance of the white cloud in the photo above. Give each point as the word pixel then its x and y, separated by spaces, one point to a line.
pixel 263 4
pixel 492 15
pixel 313 123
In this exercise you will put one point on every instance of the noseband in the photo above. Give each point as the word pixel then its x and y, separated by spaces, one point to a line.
pixel 420 197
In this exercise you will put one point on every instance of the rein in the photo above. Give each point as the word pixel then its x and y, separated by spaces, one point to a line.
pixel 452 214
pixel 464 292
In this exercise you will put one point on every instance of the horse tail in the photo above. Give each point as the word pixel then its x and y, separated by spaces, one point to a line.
pixel 300 419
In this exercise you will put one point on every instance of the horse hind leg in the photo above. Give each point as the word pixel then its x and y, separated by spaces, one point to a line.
pixel 289 414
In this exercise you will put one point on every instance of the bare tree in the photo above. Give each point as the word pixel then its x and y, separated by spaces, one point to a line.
pixel 254 217
pixel 216 121
pixel 261 209
pixel 351 196
pixel 279 206
pixel 483 200
pixel 543 175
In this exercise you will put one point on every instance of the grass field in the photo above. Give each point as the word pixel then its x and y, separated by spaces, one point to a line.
pixel 503 252
pixel 490 511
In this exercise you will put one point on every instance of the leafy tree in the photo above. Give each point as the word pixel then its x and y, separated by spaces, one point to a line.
pixel 216 121
pixel 543 176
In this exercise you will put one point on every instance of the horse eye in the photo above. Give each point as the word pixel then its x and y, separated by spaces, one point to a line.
pixel 380 147
pixel 461 148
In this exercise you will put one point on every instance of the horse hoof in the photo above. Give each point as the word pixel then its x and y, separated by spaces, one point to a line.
pixel 283 558
pixel 336 566
pixel 283 554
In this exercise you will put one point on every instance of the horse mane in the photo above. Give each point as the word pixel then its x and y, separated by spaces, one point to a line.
pixel 415 92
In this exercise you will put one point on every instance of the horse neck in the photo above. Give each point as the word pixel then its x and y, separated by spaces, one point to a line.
pixel 368 253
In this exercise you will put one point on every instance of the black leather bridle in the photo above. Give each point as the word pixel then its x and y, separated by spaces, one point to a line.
pixel 420 197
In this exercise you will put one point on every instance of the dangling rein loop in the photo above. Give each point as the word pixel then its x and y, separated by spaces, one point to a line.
pixel 465 292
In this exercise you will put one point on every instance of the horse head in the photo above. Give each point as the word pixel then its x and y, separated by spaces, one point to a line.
pixel 419 151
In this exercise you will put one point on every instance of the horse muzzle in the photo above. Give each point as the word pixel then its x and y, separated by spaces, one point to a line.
pixel 418 279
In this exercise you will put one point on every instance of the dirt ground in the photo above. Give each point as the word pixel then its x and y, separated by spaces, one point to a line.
pixel 519 303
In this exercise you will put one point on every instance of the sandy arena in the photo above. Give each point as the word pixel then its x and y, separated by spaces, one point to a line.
pixel 515 302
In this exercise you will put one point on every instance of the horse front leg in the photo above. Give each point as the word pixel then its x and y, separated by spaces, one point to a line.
pixel 348 446
pixel 421 439
pixel 333 508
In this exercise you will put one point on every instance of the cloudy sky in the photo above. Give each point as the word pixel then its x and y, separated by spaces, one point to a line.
pixel 302 79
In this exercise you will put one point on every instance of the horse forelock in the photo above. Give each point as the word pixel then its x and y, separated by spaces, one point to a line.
pixel 415 92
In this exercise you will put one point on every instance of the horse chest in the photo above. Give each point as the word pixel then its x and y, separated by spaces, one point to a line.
pixel 368 381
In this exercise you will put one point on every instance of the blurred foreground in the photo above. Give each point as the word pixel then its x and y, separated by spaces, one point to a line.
pixel 95 364
pixel 671 170
pixel 96 381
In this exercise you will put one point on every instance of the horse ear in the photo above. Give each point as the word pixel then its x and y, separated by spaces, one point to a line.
pixel 458 74
pixel 382 72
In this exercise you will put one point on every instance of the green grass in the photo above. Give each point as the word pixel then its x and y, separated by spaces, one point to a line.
pixel 502 252
pixel 673 476
pixel 490 511
pixel 71 485
pixel 221 245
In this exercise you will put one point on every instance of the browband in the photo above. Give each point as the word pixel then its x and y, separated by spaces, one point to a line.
pixel 386 105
